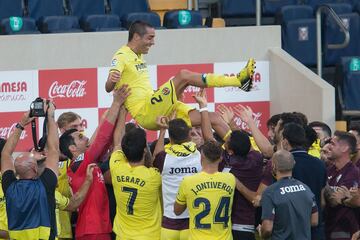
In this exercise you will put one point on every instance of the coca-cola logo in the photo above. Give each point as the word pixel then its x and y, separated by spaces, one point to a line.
pixel 75 89
pixel 5 132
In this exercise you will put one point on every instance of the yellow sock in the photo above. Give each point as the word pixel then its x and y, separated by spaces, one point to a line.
pixel 215 80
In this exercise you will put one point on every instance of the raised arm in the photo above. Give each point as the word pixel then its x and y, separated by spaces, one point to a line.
pixel 113 77
pixel 206 129
pixel 227 115
pixel 9 148
pixel 245 113
pixel 52 159
pixel 79 196
pixel 119 129
pixel 162 123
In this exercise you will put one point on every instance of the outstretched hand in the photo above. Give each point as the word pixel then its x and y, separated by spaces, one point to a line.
pixel 245 113
pixel 162 122
pixel 121 94
pixel 226 113
pixel 200 98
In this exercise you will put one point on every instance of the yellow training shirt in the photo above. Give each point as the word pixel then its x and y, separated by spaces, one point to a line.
pixel 209 199
pixel 63 217
pixel 134 73
pixel 137 193
pixel 3 216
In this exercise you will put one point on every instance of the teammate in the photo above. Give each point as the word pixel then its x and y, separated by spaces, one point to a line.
pixel 137 189
pixel 208 195
pixel 144 105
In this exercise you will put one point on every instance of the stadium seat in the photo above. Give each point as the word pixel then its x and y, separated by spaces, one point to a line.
pixel 341 8
pixel 50 18
pixel 236 8
pixel 149 17
pixel 271 7
pixel 183 19
pixel 315 3
pixel 92 16
pixel 9 8
pixel 28 26
pixel 295 12
pixel 299 40
pixel 123 7
pixel 351 83
pixel 55 24
pixel 334 35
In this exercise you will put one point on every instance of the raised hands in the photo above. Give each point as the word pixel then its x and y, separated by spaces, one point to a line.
pixel 200 98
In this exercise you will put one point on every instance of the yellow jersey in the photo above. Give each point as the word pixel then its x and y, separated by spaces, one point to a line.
pixel 209 199
pixel 63 217
pixel 135 74
pixel 137 193
pixel 3 216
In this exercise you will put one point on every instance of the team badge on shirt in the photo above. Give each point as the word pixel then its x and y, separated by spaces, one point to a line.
pixel 166 91
pixel 113 62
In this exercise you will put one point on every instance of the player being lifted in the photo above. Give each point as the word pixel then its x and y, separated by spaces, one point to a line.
pixel 144 105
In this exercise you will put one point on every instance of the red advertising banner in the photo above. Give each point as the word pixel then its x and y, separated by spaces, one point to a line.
pixel 70 88
pixel 7 126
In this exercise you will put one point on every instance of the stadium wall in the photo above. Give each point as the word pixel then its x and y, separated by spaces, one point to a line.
pixel 292 86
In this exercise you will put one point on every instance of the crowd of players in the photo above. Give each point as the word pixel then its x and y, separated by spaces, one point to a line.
pixel 298 182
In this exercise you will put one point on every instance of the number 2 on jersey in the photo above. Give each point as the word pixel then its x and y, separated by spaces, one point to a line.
pixel 221 213
pixel 131 200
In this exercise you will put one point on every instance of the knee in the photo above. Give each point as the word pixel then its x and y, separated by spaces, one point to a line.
pixel 183 74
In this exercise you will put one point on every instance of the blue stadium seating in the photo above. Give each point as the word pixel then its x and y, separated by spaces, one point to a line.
pixel 28 27
pixel 333 35
pixel 350 84
pixel 10 8
pixel 149 17
pixel 271 7
pixel 236 8
pixel 123 7
pixel 299 40
pixel 341 8
pixel 85 11
pixel 315 3
pixel 49 16
pixel 55 24
pixel 295 12
pixel 172 19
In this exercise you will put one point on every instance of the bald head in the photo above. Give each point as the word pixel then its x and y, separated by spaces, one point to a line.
pixel 26 166
pixel 283 161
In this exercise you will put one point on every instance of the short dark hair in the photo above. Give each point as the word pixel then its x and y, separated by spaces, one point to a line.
pixel 348 138
pixel 129 126
pixel 311 136
pixel 2 144
pixel 295 134
pixel 138 27
pixel 239 143
pixel 324 127
pixel 178 131
pixel 65 141
pixel 293 117
pixel 212 150
pixel 133 144
pixel 273 120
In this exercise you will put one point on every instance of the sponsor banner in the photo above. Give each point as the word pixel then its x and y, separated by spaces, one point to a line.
pixel 7 126
pixel 105 98
pixel 150 135
pixel 165 72
pixel 259 92
pixel 70 88
pixel 17 90
pixel 261 113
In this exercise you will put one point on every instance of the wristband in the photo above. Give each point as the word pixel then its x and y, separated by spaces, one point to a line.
pixel 18 125
pixel 203 109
